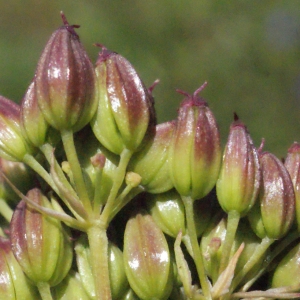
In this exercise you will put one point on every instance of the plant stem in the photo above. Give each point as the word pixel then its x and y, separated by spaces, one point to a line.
pixel 39 169
pixel 44 290
pixel 197 255
pixel 98 243
pixel 5 210
pixel 118 180
pixel 70 150
pixel 232 224
pixel 258 253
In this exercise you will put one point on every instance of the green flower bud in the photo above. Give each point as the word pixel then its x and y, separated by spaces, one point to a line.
pixel 12 143
pixel 195 152
pixel 287 272
pixel 147 259
pixel 129 295
pixel 274 213
pixel 118 279
pixel 292 164
pixel 152 161
pixel 14 285
pixel 70 288
pixel 168 212
pixel 239 178
pixel 125 107
pixel 33 123
pixel 40 243
pixel 65 81
pixel 21 177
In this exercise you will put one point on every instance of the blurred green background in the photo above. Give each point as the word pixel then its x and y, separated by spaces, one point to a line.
pixel 248 51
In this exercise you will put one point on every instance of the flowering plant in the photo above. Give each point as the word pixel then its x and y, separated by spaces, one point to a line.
pixel 98 201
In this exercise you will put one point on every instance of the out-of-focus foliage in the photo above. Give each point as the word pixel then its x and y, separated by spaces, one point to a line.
pixel 248 51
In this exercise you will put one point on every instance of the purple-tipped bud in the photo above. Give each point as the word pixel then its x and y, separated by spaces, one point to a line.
pixel 195 152
pixel 152 161
pixel 239 178
pixel 40 243
pixel 147 259
pixel 13 282
pixel 33 123
pixel 125 107
pixel 65 81
pixel 13 145
pixel 274 213
pixel 292 164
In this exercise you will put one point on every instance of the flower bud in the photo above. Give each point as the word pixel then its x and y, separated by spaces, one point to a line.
pixel 152 161
pixel 147 259
pixel 12 143
pixel 14 285
pixel 40 243
pixel 70 288
pixel 287 272
pixel 129 295
pixel 274 213
pixel 239 178
pixel 125 108
pixel 65 81
pixel 292 164
pixel 167 210
pixel 21 177
pixel 33 123
pixel 118 279
pixel 195 153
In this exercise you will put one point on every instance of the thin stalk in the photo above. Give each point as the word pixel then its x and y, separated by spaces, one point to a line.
pixel 39 169
pixel 258 253
pixel 118 180
pixel 276 251
pixel 70 150
pixel 232 224
pixel 44 290
pixel 5 210
pixel 197 255
pixel 98 243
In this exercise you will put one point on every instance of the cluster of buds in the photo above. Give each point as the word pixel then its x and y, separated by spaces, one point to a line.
pixel 100 202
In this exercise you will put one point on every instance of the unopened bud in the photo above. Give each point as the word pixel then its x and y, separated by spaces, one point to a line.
pixel 274 213
pixel 292 164
pixel 40 243
pixel 13 145
pixel 147 259
pixel 195 151
pixel 152 161
pixel 125 107
pixel 239 178
pixel 65 81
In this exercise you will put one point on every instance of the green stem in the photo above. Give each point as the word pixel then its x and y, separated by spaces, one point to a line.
pixel 98 242
pixel 197 255
pixel 232 224
pixel 5 210
pixel 44 290
pixel 267 261
pixel 118 180
pixel 258 253
pixel 70 150
pixel 39 169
